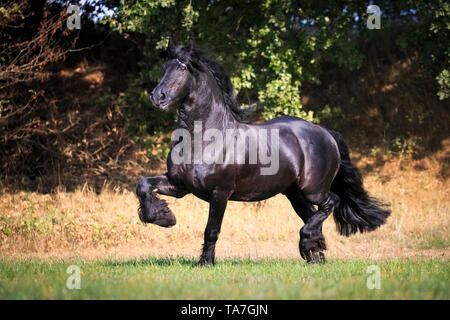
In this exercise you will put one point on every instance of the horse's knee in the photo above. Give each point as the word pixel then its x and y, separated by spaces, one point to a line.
pixel 211 236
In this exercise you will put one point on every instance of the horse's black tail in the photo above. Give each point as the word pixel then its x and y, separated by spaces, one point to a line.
pixel 356 210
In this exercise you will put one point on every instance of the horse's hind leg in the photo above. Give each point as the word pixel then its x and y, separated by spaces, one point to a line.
pixel 151 208
pixel 312 241
pixel 302 207
pixel 305 210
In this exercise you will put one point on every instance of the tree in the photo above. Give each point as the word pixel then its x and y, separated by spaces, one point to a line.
pixel 272 48
pixel 32 37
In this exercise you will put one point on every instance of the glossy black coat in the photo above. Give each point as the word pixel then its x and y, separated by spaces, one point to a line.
pixel 310 158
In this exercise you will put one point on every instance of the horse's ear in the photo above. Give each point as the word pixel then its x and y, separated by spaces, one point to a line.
pixel 171 48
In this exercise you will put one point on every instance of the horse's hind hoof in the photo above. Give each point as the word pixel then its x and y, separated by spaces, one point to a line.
pixel 316 257
pixel 322 257
pixel 155 210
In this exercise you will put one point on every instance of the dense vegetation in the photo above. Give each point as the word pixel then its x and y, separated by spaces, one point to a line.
pixel 272 48
pixel 315 60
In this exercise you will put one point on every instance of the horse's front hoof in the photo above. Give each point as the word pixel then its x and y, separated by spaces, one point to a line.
pixel 203 263
pixel 315 257
pixel 155 210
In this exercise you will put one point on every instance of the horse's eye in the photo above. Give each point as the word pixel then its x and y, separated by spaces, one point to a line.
pixel 183 66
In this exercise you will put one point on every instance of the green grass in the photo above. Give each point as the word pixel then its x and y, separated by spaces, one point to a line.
pixel 174 278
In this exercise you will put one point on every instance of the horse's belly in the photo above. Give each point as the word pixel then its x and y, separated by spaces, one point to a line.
pixel 259 192
pixel 253 186
pixel 253 196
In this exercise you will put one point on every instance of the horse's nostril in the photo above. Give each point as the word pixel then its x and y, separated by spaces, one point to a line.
pixel 163 96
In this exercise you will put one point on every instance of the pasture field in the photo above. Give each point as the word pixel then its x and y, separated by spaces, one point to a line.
pixel 174 278
pixel 257 252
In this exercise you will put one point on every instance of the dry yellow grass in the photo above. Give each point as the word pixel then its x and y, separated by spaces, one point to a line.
pixel 90 225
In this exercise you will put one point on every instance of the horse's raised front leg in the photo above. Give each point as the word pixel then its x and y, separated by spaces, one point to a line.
pixel 312 241
pixel 304 209
pixel 217 206
pixel 151 208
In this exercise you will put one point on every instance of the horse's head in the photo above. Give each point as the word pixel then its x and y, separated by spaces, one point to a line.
pixel 177 79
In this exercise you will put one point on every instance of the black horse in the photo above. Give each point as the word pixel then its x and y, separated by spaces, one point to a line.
pixel 314 165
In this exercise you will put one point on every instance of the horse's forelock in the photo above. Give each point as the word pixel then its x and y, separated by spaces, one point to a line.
pixel 197 59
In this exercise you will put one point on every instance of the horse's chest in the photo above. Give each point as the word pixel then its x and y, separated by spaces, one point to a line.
pixel 181 174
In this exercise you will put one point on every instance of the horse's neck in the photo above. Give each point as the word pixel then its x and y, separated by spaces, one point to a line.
pixel 208 108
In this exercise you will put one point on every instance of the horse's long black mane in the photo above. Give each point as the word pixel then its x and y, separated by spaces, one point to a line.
pixel 196 59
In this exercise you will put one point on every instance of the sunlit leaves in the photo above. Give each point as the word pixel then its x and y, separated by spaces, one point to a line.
pixel 271 48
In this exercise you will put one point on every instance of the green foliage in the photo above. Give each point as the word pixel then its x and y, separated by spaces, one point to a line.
pixel 333 115
pixel 3 103
pixel 404 147
pixel 272 48
pixel 269 49
pixel 443 80
pixel 426 37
